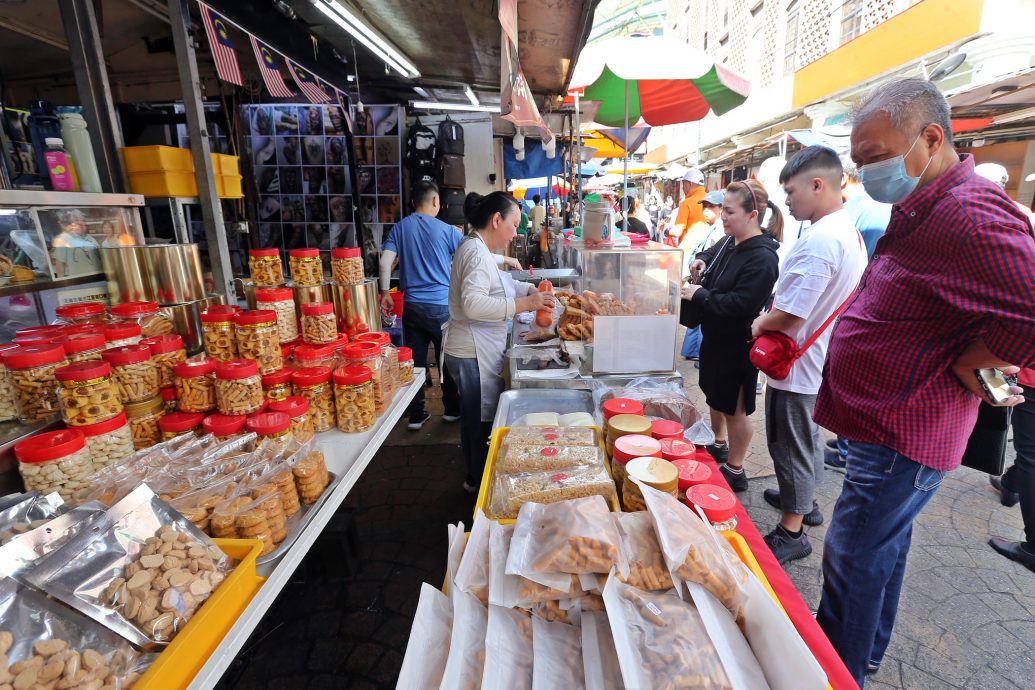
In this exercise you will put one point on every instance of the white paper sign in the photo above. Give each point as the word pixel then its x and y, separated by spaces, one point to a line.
pixel 634 344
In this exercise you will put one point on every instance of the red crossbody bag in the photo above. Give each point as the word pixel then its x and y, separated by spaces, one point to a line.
pixel 775 353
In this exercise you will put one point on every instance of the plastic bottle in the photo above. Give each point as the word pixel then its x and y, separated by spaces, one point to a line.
pixel 58 166
pixel 77 144
pixel 43 124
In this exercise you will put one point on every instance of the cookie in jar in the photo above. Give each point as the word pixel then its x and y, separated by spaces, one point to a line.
pixel 151 319
pixel 265 267
pixel 218 333
pixel 238 387
pixel 135 375
pixel 84 347
pixel 166 352
pixel 306 267
pixel 354 398
pixel 297 408
pixel 87 393
pixel 8 409
pixel 275 426
pixel 224 426
pixel 314 384
pixel 109 441
pixel 82 313
pixel 347 266
pixel 54 461
pixel 258 339
pixel 319 324
pixel 281 301
pixel 195 386
pixel 30 369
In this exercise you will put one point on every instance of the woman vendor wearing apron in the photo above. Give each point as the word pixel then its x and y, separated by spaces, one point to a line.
pixel 482 301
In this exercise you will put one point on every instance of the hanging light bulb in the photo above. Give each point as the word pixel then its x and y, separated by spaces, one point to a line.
pixel 519 146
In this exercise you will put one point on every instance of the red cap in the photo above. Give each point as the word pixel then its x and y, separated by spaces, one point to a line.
pixel 168 393
pixel 666 428
pixel 636 446
pixel 237 369
pixel 130 309
pixel 311 376
pixel 29 356
pixel 105 427
pixel 83 371
pixel 264 251
pixel 309 353
pixel 162 344
pixel 41 331
pixel 346 253
pixel 304 253
pixel 692 473
pixel 255 317
pixel 199 367
pixel 673 449
pixel 38 339
pixel 219 314
pixel 405 354
pixel 175 422
pixel 223 425
pixel 118 331
pixel 352 375
pixel 621 406
pixel 274 294
pixel 267 423
pixel 81 328
pixel 286 349
pixel 222 309
pixel 379 337
pixel 359 350
pixel 318 308
pixel 293 405
pixel 127 354
pixel 74 311
pixel 81 342
pixel 277 377
pixel 718 503
pixel 50 446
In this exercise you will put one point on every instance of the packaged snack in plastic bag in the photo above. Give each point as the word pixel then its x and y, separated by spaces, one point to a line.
pixel 599 658
pixel 33 510
pixel 550 436
pixel 21 553
pixel 508 650
pixel 552 611
pixel 647 567
pixel 661 640
pixel 557 656
pixel 466 660
pixel 511 491
pixel 428 646
pixel 537 458
pixel 510 591
pixel 473 574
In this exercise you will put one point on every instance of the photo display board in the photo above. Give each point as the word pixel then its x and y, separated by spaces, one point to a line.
pixel 377 138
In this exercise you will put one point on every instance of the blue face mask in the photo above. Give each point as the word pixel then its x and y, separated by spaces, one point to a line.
pixel 887 181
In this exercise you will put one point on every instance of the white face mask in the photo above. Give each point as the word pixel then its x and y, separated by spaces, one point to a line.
pixel 887 181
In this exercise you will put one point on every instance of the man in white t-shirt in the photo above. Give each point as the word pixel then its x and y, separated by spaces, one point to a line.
pixel 817 276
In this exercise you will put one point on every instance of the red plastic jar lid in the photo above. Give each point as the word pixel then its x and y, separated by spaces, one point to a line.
pixel 346 253
pixel 268 423
pixel 255 317
pixel 42 331
pixel 219 314
pixel 621 406
pixel 127 354
pixel 274 294
pixel 50 446
pixel 175 422
pixel 38 340
pixel 405 354
pixel 168 393
pixel 285 350
pixel 673 449
pixel 317 309
pixel 352 375
pixel 666 428
pixel 121 330
pixel 304 253
pixel 87 328
pixel 264 251
pixel 105 427
pixel 692 473
pixel 28 356
pixel 718 503
pixel 293 405
pixel 75 311
pixel 162 344
pixel 83 371
pixel 636 446
pixel 82 342
pixel 223 425
pixel 310 353
pixel 278 377
pixel 379 337
pixel 186 370
pixel 311 376
pixel 358 350
pixel 130 309
pixel 237 369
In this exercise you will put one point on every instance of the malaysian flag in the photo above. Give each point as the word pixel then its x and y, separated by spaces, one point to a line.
pixel 268 67
pixel 308 83
pixel 219 44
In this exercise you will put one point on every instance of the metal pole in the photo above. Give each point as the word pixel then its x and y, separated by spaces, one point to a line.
pixel 91 78
pixel 578 154
pixel 625 162
pixel 211 209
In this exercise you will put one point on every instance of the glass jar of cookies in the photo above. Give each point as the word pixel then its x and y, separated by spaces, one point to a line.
pixel 108 441
pixel 347 266
pixel 82 313
pixel 121 334
pixel 272 425
pixel 84 347
pixel 306 268
pixel 151 319
pixel 277 386
pixel 314 384
pixel 281 301
pixel 87 393
pixel 319 324
pixel 314 355
pixel 257 339
pixel 368 354
pixel 54 461
pixel 265 267
pixel 8 408
pixel 389 360
pixel 176 424
pixel 238 387
pixel 166 352
pixel 287 354
pixel 39 334
pixel 218 333
pixel 223 426
pixel 135 375
pixel 30 369
pixel 297 408
pixel 354 398
pixel 195 386
pixel 143 421
pixel 405 366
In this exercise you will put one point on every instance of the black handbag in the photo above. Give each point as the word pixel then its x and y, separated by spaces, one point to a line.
pixel 986 447
pixel 689 312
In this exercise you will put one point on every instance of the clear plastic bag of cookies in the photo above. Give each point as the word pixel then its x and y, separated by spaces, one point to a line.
pixel 23 515
pixel 511 491
pixel 428 647
pixel 647 567
pixel 19 554
pixel 556 650
pixel 514 591
pixel 466 660
pixel 473 574
pixel 310 471
pixel 508 650
pixel 551 436
pixel 535 458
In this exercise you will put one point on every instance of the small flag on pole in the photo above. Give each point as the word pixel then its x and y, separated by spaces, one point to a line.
pixel 307 83
pixel 268 67
pixel 219 44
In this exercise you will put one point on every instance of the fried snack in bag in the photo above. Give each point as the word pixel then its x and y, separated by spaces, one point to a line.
pixel 428 647
pixel 647 568
pixel 599 658
pixel 508 650
pixel 557 656
pixel 466 660
pixel 514 591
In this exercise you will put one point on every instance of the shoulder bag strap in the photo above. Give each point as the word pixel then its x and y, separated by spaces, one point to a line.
pixel 830 319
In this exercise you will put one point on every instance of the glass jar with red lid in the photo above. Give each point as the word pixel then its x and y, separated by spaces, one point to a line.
pixel 666 428
pixel 319 324
pixel 218 333
pixel 627 448
pixel 87 393
pixel 37 334
pixel 389 360
pixel 692 473
pixel 265 267
pixel 314 355
pixel 151 319
pixel 354 398
pixel 178 423
pixel 314 384
pixel 224 426
pixel 287 354
pixel 277 386
pixel 195 386
pixel 306 268
pixel 272 425
pixel 121 334
pixel 347 266
pixel 280 300
pixel 368 354
pixel 238 387
pixel 258 339
pixel 718 503
pixel 84 347
pixel 81 313
pixel 8 407
pixel 109 441
pixel 169 398
pixel 297 408
pixel 30 369
pixel 54 461
pixel 405 366
pixel 135 375
pixel 167 351
pixel 616 406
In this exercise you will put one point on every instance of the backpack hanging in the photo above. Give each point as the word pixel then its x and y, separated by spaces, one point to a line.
pixel 451 171
pixel 420 153
pixel 450 137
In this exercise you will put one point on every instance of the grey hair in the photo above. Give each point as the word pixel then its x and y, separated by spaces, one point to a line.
pixel 849 168
pixel 911 104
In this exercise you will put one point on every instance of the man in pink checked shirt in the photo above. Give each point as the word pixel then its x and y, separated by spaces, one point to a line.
pixel 950 289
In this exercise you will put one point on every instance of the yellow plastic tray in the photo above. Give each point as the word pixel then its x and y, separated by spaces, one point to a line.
pixel 223 164
pixel 139 159
pixel 163 183
pixel 229 186
pixel 177 665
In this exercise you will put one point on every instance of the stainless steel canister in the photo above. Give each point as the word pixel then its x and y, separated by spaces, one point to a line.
pixel 186 320
pixel 355 304
pixel 163 273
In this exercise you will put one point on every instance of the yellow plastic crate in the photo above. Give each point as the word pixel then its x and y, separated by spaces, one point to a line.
pixel 141 159
pixel 229 186
pixel 223 164
pixel 163 184
pixel 177 665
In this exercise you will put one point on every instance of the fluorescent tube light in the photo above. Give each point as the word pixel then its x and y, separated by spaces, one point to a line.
pixel 433 105
pixel 470 95
pixel 421 92
pixel 365 35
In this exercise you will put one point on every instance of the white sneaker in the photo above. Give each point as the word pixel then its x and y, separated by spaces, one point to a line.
pixel 450 418
pixel 417 426
pixel 470 489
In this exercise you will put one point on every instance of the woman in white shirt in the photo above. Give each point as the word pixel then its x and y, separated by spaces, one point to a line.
pixel 482 300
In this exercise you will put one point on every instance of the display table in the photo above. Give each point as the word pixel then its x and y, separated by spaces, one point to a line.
pixel 347 456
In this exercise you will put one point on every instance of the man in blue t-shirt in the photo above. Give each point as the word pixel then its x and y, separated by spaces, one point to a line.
pixel 424 246
pixel 870 217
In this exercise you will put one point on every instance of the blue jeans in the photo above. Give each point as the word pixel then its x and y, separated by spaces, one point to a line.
pixel 864 556
pixel 422 324
pixel 691 343
pixel 842 447
pixel 474 433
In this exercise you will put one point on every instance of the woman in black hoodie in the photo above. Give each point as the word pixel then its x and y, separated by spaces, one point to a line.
pixel 735 280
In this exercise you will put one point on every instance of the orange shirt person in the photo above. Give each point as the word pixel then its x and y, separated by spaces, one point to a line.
pixel 690 209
